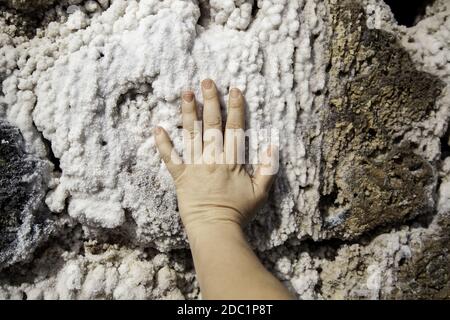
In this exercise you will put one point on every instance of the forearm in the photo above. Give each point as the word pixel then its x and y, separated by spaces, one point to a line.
pixel 226 266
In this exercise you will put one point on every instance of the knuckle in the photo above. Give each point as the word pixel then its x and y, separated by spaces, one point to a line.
pixel 188 108
pixel 210 95
pixel 236 103
pixel 213 121
pixel 191 133
pixel 166 158
pixel 233 125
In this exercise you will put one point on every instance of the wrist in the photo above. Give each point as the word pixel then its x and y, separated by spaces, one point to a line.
pixel 193 227
pixel 211 218
pixel 213 231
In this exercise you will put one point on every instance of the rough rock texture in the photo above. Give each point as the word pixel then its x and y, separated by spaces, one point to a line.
pixel 361 205
pixel 28 5
pixel 372 176
pixel 24 220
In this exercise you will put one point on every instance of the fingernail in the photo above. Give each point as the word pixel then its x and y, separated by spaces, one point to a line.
pixel 157 130
pixel 234 93
pixel 207 84
pixel 188 96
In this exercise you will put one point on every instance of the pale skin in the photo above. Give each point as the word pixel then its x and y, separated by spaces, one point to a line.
pixel 216 200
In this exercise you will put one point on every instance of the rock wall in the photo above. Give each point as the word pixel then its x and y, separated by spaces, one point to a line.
pixel 360 208
pixel 24 221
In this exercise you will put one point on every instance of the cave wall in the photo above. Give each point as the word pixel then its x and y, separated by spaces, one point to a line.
pixel 360 207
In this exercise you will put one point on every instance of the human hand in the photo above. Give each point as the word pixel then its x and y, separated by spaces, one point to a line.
pixel 213 185
pixel 217 196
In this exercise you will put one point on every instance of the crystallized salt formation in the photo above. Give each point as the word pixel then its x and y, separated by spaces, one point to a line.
pixel 360 207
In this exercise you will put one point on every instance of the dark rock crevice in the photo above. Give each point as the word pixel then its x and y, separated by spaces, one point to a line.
pixel 445 144
pixel 205 13
pixel 50 155
pixel 408 13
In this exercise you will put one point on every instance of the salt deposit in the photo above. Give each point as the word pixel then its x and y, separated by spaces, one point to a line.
pixel 94 77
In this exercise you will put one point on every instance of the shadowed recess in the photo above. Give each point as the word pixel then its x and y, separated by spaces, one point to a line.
pixel 408 12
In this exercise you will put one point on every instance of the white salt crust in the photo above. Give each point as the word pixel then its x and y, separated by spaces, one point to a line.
pixel 78 71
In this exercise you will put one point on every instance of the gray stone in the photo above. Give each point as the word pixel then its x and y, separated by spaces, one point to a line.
pixel 24 219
